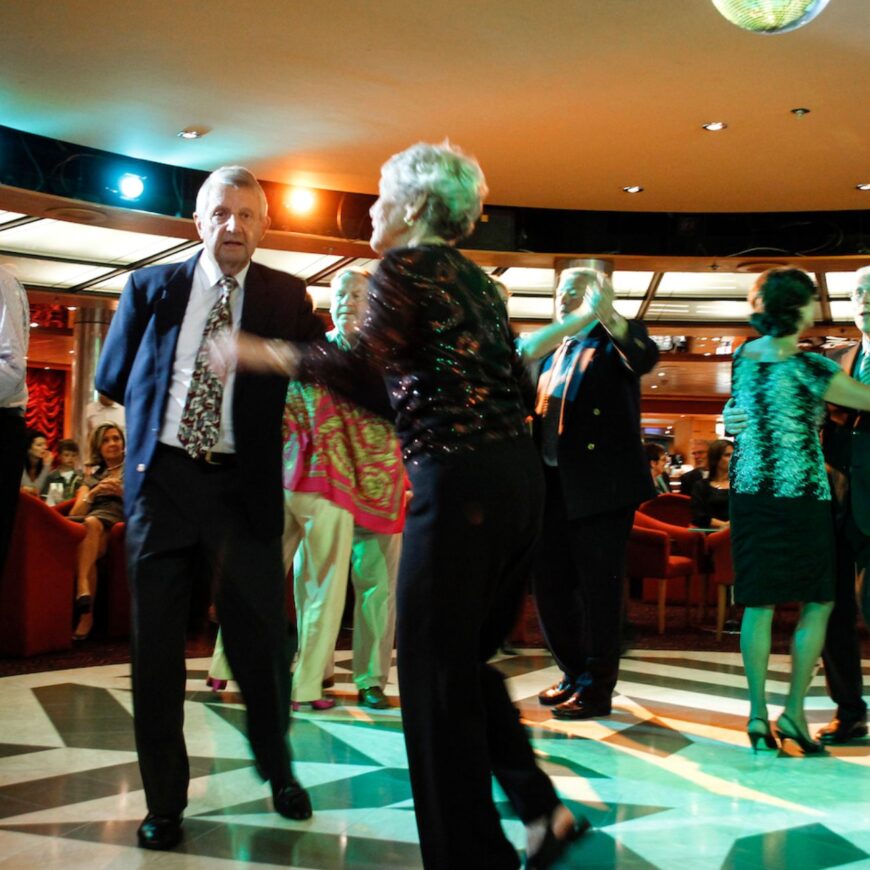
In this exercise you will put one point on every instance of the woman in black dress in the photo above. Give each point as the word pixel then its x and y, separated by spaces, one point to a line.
pixel 710 496
pixel 438 330
pixel 781 522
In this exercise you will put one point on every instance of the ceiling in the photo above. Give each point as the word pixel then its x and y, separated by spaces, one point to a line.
pixel 564 103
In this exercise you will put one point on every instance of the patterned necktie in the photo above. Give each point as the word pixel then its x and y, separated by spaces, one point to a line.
pixel 200 424
pixel 864 372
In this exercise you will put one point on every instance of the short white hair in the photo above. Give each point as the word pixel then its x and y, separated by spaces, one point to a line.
pixel 230 176
pixel 340 278
pixel 862 275
pixel 451 180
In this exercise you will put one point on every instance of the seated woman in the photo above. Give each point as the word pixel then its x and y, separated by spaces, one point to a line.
pixel 37 462
pixel 710 495
pixel 657 458
pixel 99 504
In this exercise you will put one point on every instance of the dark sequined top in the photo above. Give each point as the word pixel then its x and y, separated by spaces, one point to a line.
pixel 438 331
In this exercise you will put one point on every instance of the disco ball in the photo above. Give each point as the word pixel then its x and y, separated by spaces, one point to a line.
pixel 770 16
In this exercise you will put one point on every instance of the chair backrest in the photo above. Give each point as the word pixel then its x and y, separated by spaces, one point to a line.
pixel 669 508
pixel 719 548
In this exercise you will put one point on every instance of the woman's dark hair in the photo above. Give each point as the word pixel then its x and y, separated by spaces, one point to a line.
pixel 29 438
pixel 777 298
pixel 714 455
pixel 97 440
pixel 654 452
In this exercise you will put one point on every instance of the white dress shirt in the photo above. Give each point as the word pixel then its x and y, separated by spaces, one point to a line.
pixel 14 336
pixel 203 295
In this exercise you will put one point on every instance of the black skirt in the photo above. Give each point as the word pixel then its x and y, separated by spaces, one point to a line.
pixel 783 549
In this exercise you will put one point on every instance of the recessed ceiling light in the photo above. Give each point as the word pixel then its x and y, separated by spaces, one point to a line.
pixel 33 324
pixel 654 386
pixel 633 188
pixel 662 374
pixel 301 200
pixel 864 186
pixel 800 112
pixel 71 308
pixel 714 126
pixel 192 133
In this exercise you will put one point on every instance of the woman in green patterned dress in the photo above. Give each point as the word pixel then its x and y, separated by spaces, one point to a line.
pixel 781 523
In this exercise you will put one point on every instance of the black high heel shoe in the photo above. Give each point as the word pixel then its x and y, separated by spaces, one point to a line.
pixel 552 847
pixel 756 736
pixel 792 732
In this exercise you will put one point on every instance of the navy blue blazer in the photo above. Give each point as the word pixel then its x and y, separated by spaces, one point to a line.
pixel 846 444
pixel 602 464
pixel 135 369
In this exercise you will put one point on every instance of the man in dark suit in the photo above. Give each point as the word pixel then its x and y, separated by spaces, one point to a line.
pixel 846 444
pixel 698 451
pixel 203 483
pixel 588 430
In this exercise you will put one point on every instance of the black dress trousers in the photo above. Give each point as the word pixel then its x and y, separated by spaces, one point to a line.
pixel 188 510
pixel 469 539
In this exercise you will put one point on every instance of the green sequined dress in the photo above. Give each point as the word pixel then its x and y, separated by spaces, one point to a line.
pixel 782 534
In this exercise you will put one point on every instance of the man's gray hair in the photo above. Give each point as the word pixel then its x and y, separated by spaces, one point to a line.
pixel 576 274
pixel 230 176
pixel 862 275
pixel 339 277
pixel 451 180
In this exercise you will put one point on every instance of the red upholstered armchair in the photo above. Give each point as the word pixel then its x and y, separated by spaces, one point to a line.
pixel 719 549
pixel 113 577
pixel 663 552
pixel 36 589
pixel 670 508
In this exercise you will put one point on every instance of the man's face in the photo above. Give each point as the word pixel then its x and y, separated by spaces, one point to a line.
pixel 232 226
pixel 699 455
pixel 349 302
pixel 570 295
pixel 861 304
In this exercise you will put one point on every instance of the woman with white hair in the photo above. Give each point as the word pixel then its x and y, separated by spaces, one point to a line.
pixel 438 330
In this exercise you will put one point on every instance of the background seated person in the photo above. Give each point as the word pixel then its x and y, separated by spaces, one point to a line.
pixel 37 461
pixel 100 504
pixel 66 474
pixel 710 496
pixel 658 459
pixel 698 454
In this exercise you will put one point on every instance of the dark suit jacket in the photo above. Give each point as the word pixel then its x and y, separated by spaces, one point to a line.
pixel 689 479
pixel 601 459
pixel 846 443
pixel 135 369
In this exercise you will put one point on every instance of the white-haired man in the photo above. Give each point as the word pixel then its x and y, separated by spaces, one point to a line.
pixel 203 483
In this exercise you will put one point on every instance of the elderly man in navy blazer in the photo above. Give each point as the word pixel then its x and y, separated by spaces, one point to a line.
pixel 203 484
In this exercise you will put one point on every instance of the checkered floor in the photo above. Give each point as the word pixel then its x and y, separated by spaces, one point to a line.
pixel 668 780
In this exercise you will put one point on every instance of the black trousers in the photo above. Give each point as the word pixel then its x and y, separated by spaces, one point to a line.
pixel 842 651
pixel 468 546
pixel 186 511
pixel 11 464
pixel 579 581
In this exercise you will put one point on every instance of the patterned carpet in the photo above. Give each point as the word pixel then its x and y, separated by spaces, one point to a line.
pixel 668 780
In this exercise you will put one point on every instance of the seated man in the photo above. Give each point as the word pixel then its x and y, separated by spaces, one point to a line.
pixel 698 448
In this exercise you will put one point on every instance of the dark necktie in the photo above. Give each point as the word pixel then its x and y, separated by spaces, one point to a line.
pixel 200 424
pixel 864 371
pixel 550 405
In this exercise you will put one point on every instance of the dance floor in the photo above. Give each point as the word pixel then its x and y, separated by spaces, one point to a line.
pixel 668 780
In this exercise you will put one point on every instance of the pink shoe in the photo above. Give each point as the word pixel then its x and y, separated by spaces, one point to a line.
pixel 216 685
pixel 319 704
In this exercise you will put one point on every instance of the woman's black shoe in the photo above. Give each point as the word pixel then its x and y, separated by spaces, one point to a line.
pixel 791 732
pixel 553 847
pixel 756 736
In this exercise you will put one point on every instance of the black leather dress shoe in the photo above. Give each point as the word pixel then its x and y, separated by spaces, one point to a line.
pixel 842 730
pixel 292 802
pixel 578 708
pixel 557 693
pixel 159 832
